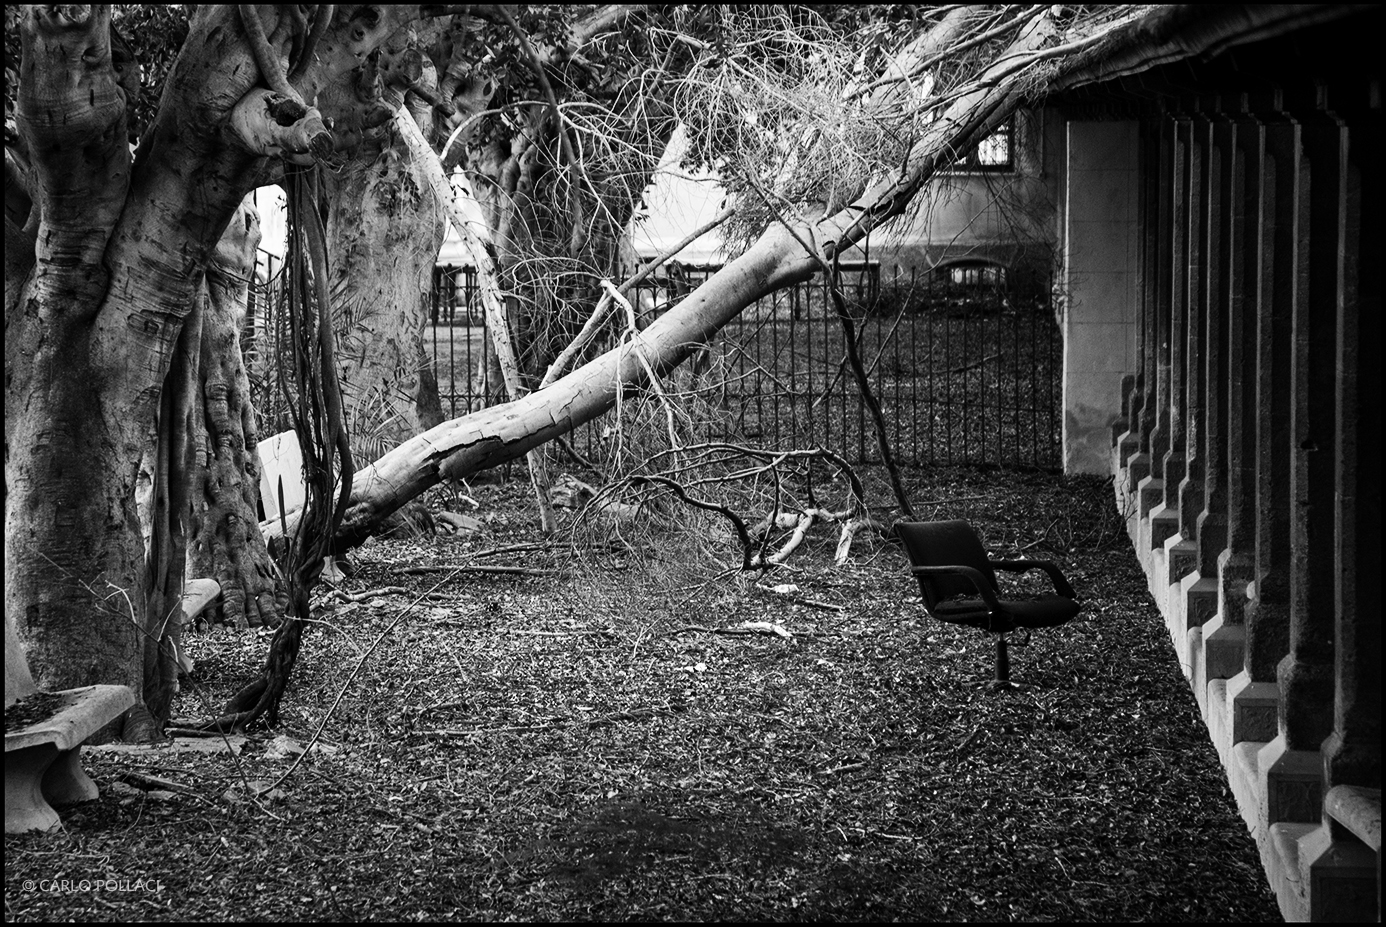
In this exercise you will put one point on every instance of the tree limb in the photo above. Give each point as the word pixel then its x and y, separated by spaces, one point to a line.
pixel 560 126
pixel 270 68
pixel 71 108
pixel 740 526
pixel 483 259
pixel 575 346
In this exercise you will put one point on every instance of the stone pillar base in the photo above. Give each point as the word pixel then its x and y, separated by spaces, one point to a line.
pixel 1163 525
pixel 1224 648
pixel 1219 719
pixel 1181 558
pixel 1244 775
pixel 1291 784
pixel 1280 857
pixel 1340 875
pixel 1149 494
pixel 1199 596
pixel 1254 706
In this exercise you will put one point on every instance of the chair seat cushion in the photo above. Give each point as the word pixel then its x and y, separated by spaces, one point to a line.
pixel 1043 612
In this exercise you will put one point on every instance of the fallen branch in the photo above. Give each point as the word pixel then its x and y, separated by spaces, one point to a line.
pixel 737 523
pixel 801 530
pixel 365 596
pixel 849 534
pixel 752 628
pixel 811 603
pixel 841 769
pixel 522 571
pixel 476 238
pixel 152 783
pixel 596 631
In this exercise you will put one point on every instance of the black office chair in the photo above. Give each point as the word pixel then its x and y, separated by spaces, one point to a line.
pixel 958 583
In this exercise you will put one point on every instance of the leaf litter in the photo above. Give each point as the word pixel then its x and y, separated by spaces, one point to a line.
pixel 625 736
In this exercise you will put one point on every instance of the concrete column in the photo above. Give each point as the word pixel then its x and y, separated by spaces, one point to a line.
pixel 1176 563
pixel 1341 872
pixel 1224 642
pixel 1164 517
pixel 1133 451
pixel 1203 203
pixel 1198 590
pixel 1151 489
pixel 1352 754
pixel 1210 529
pixel 1149 345
pixel 1291 763
pixel 1100 281
pixel 1254 693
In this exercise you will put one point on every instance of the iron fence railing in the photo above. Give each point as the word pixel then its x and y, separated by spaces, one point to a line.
pixel 967 373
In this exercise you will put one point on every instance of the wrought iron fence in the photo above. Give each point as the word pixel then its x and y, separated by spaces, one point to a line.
pixel 967 370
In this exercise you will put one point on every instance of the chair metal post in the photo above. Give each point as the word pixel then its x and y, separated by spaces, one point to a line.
pixel 1003 660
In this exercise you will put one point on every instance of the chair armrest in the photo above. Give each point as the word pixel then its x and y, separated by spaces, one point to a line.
pixel 971 573
pixel 1061 584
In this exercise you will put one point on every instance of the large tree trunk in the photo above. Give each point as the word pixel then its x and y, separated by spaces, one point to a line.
pixel 384 229
pixel 92 330
pixel 76 426
pixel 229 546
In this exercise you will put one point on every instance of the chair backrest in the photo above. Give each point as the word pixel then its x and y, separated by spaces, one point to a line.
pixel 945 543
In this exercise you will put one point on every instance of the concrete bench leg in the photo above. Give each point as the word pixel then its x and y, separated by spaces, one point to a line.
pixel 26 809
pixel 65 782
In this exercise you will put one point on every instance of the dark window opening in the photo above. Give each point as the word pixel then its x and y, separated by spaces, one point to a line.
pixel 994 153
pixel 972 274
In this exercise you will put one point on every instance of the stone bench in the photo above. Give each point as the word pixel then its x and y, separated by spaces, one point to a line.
pixel 43 745
pixel 44 731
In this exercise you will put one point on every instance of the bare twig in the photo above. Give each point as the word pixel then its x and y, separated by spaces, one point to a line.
pixel 976 363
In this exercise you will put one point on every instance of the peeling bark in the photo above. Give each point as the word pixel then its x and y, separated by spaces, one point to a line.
pixel 384 229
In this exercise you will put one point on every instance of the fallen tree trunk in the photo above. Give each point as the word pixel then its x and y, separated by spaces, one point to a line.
pixel 489 437
pixel 785 254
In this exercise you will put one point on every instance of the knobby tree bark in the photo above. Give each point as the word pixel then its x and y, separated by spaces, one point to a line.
pixel 228 545
pixel 120 249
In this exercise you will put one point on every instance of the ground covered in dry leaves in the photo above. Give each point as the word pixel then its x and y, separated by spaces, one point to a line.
pixel 585 744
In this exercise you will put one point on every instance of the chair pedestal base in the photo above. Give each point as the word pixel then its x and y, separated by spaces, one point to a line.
pixel 1003 659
